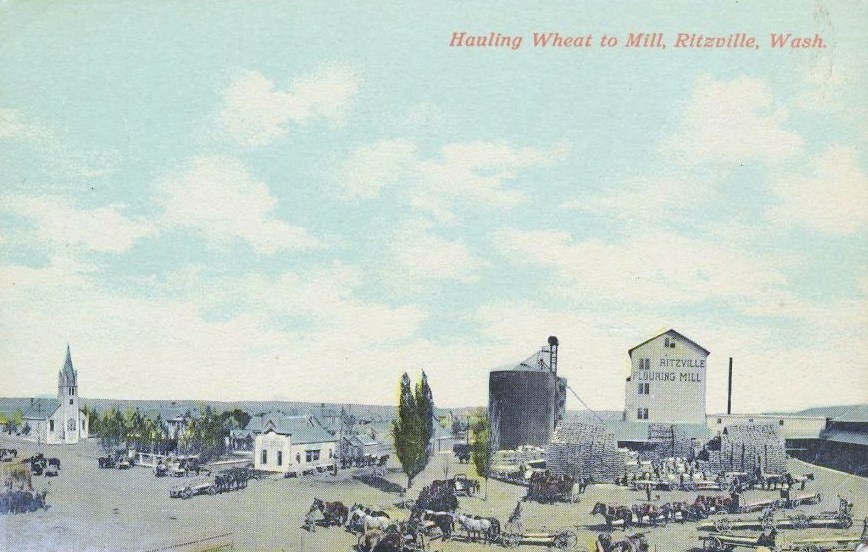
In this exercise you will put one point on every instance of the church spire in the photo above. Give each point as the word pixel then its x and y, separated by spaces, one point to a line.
pixel 68 369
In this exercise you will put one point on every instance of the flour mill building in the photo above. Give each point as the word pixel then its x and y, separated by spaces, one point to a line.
pixel 667 381
pixel 59 421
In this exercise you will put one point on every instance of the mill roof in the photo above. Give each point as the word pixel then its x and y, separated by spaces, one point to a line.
pixel 671 332
pixel 42 409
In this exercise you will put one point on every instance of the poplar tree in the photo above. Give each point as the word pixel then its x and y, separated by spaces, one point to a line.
pixel 406 431
pixel 425 406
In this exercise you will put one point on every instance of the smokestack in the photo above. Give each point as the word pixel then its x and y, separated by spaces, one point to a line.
pixel 553 354
pixel 729 391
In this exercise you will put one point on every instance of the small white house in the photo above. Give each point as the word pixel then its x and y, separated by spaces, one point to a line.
pixel 293 444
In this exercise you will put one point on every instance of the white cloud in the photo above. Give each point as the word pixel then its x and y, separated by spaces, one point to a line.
pixel 475 173
pixel 57 223
pixel 420 256
pixel 42 138
pixel 733 122
pixel 832 198
pixel 651 268
pixel 371 167
pixel 649 200
pixel 255 113
pixel 219 198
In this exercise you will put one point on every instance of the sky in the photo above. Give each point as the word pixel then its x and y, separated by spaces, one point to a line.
pixel 303 200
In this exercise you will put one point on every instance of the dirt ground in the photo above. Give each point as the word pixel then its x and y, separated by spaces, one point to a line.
pixel 96 510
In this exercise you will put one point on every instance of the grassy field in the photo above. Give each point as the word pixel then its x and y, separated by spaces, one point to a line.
pixel 93 509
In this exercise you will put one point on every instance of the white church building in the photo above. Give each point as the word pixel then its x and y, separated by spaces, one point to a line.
pixel 59 421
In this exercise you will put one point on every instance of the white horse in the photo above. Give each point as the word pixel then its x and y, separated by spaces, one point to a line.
pixel 474 526
pixel 368 521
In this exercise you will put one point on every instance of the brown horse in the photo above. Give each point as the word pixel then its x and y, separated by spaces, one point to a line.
pixel 334 513
pixel 614 513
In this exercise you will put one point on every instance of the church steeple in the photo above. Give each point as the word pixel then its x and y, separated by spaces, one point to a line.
pixel 66 379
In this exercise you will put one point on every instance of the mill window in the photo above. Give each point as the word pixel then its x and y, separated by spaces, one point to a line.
pixel 265 456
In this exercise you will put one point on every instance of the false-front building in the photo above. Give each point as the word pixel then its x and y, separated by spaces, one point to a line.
pixel 292 444
pixel 59 421
pixel 667 381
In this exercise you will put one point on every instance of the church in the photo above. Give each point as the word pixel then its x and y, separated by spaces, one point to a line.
pixel 59 421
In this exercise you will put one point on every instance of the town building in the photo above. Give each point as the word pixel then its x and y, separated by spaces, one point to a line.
pixel 58 421
pixel 667 381
pixel 292 444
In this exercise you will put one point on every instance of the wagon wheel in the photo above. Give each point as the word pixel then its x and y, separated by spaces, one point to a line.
pixel 510 540
pixel 799 520
pixel 566 540
pixel 845 521
pixel 186 493
pixel 714 544
pixel 722 525
pixel 212 490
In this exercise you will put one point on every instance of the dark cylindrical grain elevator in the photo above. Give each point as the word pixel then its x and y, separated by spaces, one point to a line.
pixel 526 402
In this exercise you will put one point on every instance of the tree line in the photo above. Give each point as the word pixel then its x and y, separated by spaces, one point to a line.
pixel 203 434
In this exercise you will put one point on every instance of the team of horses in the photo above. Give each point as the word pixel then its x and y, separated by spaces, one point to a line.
pixel 653 514
pixel 375 527
pixel 40 465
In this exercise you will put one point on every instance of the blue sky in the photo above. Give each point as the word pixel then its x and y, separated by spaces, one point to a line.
pixel 303 200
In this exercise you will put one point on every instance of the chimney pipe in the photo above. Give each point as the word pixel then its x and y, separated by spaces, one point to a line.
pixel 729 391
pixel 553 354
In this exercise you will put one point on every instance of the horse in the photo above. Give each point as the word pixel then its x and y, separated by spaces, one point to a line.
pixel 442 520
pixel 334 513
pixel 487 528
pixel 367 518
pixel 614 513
pixel 633 543
pixel 367 541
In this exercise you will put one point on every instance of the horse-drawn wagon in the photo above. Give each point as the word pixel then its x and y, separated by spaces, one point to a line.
pixel 838 543
pixel 723 542
pixel 560 539
pixel 192 487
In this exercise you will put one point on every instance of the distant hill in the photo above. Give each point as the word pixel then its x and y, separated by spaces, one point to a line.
pixel 169 408
pixel 824 411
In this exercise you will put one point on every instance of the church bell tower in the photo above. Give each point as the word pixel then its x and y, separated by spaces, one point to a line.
pixel 67 395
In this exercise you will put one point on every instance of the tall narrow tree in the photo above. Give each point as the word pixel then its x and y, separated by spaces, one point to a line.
pixel 425 407
pixel 407 432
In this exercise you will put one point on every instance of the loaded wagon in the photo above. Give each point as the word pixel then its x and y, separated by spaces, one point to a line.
pixel 192 487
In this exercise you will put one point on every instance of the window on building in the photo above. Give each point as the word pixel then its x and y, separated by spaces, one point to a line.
pixel 720 420
pixel 782 422
pixel 70 401
pixel 265 456
pixel 312 455
pixel 280 458
pixel 70 424
pixel 642 414
pixel 50 425
pixel 667 342
pixel 644 388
